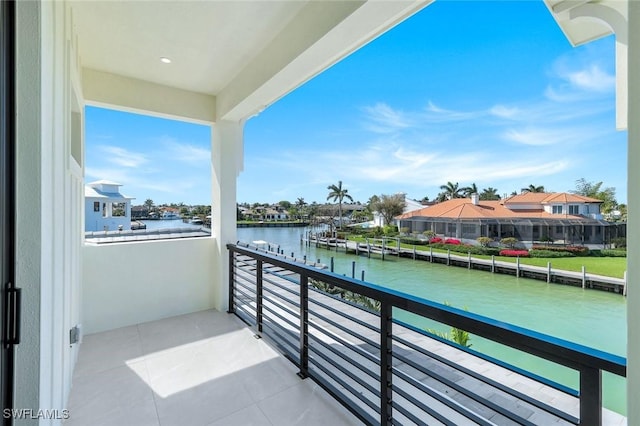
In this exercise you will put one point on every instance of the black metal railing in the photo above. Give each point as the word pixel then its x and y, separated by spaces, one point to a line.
pixel 385 371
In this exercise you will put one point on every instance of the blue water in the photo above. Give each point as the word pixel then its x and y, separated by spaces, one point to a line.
pixel 163 224
pixel 589 317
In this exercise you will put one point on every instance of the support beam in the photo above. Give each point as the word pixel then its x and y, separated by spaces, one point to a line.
pixel 226 158
pixel 143 97
pixel 633 223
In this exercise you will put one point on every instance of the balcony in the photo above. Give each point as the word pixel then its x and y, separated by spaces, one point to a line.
pixel 205 368
pixel 208 367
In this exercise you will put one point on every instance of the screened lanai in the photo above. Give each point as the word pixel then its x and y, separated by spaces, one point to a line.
pixel 564 231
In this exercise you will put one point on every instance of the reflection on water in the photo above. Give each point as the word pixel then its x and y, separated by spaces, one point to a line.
pixel 592 318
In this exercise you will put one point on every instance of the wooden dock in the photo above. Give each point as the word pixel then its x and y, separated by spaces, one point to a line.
pixel 379 248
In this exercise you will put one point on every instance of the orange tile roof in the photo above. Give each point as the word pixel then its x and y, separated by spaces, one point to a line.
pixel 548 197
pixel 463 208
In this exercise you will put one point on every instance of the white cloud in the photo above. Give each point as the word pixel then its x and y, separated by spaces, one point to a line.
pixel 592 79
pixel 123 157
pixel 438 114
pixel 384 119
pixel 505 112
pixel 184 152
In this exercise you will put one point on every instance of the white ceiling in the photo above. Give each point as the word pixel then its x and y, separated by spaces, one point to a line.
pixel 241 54
pixel 207 41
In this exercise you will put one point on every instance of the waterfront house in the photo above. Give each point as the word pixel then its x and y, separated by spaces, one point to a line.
pixel 214 63
pixel 105 208
pixel 529 217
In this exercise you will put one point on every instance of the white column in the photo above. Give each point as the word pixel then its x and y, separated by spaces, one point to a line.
pixel 633 222
pixel 226 157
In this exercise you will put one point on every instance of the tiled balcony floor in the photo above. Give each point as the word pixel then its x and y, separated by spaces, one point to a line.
pixel 205 368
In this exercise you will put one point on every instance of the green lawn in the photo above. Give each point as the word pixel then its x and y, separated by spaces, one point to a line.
pixel 607 266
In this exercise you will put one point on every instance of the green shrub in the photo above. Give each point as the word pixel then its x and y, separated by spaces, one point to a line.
pixel 509 241
pixel 575 250
pixel 483 241
pixel 464 248
pixel 414 241
pixel 549 253
pixel 614 253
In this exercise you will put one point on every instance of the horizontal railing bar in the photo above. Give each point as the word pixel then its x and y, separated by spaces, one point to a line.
pixel 554 349
pixel 349 345
pixel 288 309
pixel 343 384
pixel 441 397
pixel 346 371
pixel 289 322
pixel 464 391
pixel 417 420
pixel 245 276
pixel 287 289
pixel 357 411
pixel 485 379
pixel 251 297
pixel 251 292
pixel 347 330
pixel 283 277
pixel 342 313
pixel 285 335
pixel 246 318
pixel 333 350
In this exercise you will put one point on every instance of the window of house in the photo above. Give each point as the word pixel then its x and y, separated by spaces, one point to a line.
pixel 468 229
pixel 556 209
pixel 96 206
pixel 575 209
pixel 559 229
pixel 118 209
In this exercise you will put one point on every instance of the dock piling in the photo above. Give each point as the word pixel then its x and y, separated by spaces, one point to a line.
pixel 584 276
pixel 548 272
pixel 331 263
pixel 353 269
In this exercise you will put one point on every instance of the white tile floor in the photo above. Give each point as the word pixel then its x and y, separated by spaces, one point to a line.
pixel 204 368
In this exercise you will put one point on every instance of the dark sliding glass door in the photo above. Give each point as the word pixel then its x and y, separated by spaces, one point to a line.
pixel 9 296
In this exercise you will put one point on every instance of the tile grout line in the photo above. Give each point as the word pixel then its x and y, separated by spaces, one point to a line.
pixel 146 368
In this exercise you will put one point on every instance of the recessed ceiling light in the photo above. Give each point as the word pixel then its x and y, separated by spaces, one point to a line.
pixel 165 60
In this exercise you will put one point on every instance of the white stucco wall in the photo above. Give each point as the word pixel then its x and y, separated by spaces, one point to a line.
pixel 94 221
pixel 28 190
pixel 131 283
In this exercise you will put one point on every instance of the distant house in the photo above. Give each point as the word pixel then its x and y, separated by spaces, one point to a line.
pixel 106 209
pixel 558 216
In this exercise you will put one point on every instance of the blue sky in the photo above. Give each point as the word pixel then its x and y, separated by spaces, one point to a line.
pixel 471 92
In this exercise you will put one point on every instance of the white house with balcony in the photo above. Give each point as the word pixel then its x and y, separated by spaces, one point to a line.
pixel 214 63
pixel 105 208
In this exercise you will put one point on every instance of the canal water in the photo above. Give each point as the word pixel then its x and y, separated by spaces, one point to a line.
pixel 589 317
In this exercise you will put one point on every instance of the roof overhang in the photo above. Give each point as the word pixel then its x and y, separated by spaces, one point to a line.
pixel 229 60
pixel 583 21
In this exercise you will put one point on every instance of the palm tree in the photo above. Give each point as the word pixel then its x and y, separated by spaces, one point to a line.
pixel 489 193
pixel 337 193
pixel 468 190
pixel 533 188
pixel 451 190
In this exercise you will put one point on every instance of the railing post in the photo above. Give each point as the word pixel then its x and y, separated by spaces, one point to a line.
pixel 590 396
pixel 231 308
pixel 259 295
pixel 386 363
pixel 304 327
